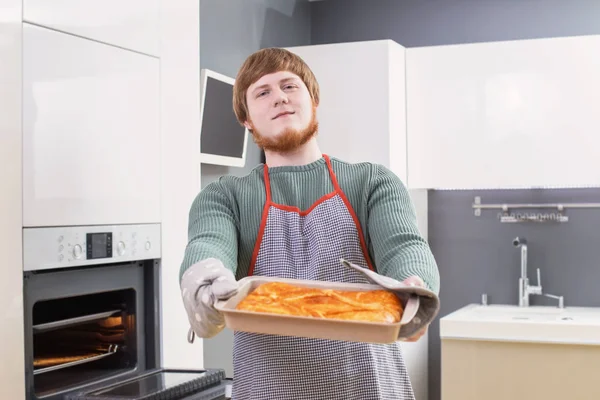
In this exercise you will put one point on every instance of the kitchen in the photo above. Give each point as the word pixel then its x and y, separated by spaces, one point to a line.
pixel 461 241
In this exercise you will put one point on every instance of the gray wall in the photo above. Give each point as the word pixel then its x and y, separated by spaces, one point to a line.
pixel 427 23
pixel 475 255
pixel 230 30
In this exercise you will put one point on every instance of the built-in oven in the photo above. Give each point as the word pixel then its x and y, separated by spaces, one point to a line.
pixel 91 312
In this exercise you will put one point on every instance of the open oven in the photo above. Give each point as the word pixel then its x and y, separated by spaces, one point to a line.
pixel 92 323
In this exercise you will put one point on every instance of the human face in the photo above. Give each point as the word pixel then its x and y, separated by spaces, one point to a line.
pixel 281 112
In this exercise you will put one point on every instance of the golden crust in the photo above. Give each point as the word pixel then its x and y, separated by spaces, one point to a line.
pixel 285 299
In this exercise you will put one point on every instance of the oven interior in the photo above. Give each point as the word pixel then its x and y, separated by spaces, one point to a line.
pixel 77 339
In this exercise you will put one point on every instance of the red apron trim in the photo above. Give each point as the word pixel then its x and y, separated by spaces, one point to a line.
pixel 267 184
pixel 263 220
pixel 261 232
pixel 308 210
pixel 269 203
pixel 363 242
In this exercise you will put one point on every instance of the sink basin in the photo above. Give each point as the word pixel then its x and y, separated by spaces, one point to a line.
pixel 543 324
pixel 532 313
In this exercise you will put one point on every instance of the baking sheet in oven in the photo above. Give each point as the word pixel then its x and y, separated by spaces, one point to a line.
pixel 310 327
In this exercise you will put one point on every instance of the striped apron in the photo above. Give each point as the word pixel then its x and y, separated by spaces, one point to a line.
pixel 308 245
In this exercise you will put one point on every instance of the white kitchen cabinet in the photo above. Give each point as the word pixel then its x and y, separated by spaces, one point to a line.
pixel 91 132
pixel 362 110
pixel 131 24
pixel 515 114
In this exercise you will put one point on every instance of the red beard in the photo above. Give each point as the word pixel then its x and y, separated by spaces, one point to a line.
pixel 289 140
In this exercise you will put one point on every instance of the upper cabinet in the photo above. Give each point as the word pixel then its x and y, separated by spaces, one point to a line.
pixel 362 101
pixel 131 24
pixel 516 114
pixel 91 132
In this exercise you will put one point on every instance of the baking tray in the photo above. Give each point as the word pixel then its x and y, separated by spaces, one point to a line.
pixel 310 327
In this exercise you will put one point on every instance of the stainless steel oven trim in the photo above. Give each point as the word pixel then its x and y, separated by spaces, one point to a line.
pixel 143 276
pixel 51 248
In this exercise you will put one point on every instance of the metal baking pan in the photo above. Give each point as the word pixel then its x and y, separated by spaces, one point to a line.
pixel 310 327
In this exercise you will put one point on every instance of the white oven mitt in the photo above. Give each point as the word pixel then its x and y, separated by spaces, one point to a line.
pixel 428 306
pixel 203 284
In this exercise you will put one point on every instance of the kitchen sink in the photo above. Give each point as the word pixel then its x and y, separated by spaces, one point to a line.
pixel 573 325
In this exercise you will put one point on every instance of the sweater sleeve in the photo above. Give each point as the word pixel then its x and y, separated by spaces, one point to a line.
pixel 212 229
pixel 399 250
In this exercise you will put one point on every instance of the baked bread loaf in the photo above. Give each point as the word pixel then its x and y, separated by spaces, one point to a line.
pixel 283 298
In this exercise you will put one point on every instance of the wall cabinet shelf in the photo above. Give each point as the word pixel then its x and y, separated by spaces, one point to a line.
pixel 131 24
pixel 91 132
pixel 517 114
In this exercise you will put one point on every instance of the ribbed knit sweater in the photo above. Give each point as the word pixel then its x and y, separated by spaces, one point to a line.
pixel 225 217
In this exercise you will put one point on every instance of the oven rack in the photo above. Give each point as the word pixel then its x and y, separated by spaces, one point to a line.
pixel 112 349
pixel 74 321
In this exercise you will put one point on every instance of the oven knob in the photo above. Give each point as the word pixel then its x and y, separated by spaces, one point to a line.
pixel 77 251
pixel 121 248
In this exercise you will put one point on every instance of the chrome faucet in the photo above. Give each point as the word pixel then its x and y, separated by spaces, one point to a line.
pixel 525 289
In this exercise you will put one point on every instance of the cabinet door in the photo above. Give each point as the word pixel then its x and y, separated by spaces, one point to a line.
pixel 503 115
pixel 131 24
pixel 91 138
pixel 362 101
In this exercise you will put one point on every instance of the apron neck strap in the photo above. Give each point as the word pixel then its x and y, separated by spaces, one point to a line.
pixel 332 174
pixel 267 183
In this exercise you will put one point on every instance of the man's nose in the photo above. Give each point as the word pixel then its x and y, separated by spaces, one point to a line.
pixel 281 97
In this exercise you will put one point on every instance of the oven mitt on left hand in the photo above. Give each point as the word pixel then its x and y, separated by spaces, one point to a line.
pixel 429 302
pixel 203 284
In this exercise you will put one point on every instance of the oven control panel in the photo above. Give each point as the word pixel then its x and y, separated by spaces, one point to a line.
pixel 74 246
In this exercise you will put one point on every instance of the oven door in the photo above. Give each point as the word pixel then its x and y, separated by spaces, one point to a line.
pixel 85 326
pixel 162 384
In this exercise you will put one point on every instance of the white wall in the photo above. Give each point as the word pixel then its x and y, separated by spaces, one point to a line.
pixel 12 379
pixel 179 50
pixel 180 107
pixel 416 355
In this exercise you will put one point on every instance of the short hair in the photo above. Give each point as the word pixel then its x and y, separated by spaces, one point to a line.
pixel 268 61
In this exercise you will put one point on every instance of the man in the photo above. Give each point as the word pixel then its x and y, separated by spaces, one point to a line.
pixel 295 217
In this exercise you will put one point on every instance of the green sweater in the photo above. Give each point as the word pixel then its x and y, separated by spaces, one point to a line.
pixel 225 217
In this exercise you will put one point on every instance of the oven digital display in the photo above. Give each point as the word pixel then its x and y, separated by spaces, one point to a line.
pixel 99 245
